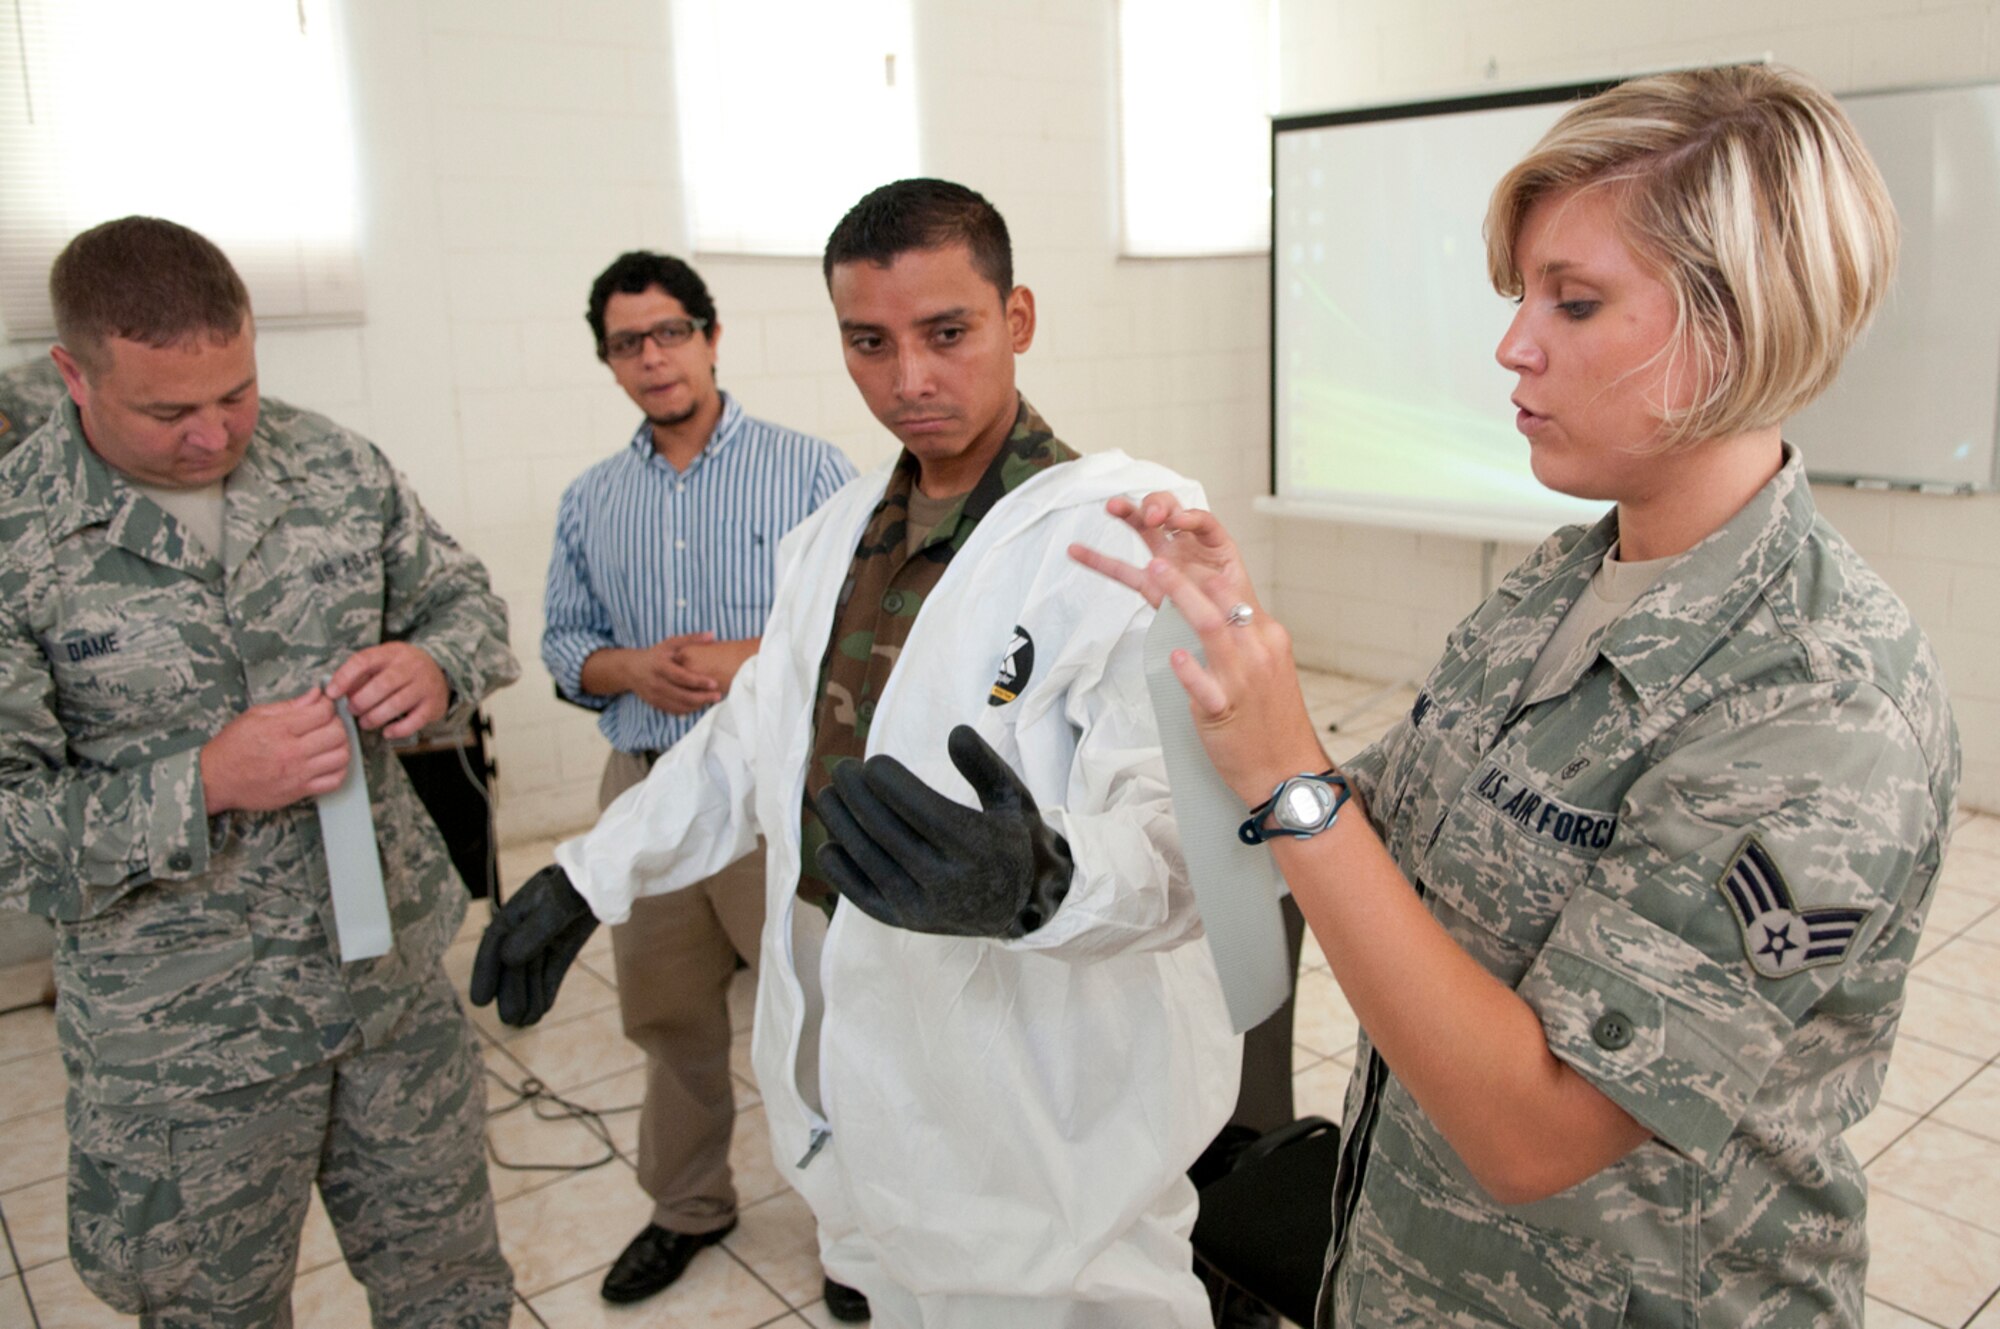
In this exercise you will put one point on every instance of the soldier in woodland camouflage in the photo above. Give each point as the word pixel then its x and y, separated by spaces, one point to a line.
pixel 987 1071
pixel 897 563
pixel 184 583
pixel 1629 903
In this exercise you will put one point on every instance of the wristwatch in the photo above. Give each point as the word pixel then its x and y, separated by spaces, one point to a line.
pixel 1301 806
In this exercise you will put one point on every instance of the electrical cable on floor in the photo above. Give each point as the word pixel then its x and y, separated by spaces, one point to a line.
pixel 547 1105
pixel 531 1093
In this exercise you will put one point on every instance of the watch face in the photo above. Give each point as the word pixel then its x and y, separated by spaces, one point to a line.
pixel 1304 804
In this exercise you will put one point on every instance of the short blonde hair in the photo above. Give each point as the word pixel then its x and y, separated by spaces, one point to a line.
pixel 1748 192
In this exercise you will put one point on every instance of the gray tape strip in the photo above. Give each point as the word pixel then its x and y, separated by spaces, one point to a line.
pixel 1237 886
pixel 360 905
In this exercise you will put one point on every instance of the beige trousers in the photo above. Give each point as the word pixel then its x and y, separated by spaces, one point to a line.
pixel 675 957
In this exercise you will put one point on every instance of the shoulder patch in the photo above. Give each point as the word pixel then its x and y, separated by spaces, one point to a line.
pixel 1779 938
pixel 1016 667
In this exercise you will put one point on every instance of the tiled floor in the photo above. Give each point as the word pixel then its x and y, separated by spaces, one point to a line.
pixel 1932 1147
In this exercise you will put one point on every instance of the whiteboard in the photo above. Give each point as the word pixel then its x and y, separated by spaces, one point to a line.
pixel 1918 401
pixel 1388 406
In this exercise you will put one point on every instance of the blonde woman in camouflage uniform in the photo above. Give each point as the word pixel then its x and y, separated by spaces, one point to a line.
pixel 180 573
pixel 1625 906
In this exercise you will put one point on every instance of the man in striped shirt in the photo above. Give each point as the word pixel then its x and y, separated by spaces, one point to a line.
pixel 658 587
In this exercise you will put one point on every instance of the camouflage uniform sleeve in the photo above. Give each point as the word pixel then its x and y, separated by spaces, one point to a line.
pixel 1754 866
pixel 73 841
pixel 1365 769
pixel 439 598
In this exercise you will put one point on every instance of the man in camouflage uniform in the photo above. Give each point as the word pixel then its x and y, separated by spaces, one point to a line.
pixel 1729 814
pixel 184 586
pixel 29 394
pixel 990 1086
pixel 910 540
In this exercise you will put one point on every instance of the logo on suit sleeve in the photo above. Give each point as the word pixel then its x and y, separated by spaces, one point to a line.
pixel 1016 667
pixel 1778 936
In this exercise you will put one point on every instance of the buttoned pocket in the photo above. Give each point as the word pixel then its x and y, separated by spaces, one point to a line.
pixel 117 672
pixel 127 1236
pixel 1507 858
pixel 302 604
pixel 348 592
pixel 1678 1039
pixel 163 958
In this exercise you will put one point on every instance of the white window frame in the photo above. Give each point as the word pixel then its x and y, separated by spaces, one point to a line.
pixel 789 111
pixel 229 116
pixel 1194 94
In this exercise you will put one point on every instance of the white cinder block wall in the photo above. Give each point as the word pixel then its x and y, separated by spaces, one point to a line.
pixel 1379 603
pixel 510 148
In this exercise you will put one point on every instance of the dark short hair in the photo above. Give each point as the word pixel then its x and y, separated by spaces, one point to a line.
pixel 146 280
pixel 640 270
pixel 923 214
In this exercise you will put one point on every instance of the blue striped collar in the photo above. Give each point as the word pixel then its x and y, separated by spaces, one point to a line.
pixel 727 426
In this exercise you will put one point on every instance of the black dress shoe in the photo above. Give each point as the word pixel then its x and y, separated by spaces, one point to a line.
pixel 845 1304
pixel 655 1258
pixel 1240 1310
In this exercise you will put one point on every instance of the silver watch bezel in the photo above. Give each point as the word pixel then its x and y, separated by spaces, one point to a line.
pixel 1329 805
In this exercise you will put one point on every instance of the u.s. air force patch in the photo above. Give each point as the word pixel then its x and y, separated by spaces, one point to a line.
pixel 1778 936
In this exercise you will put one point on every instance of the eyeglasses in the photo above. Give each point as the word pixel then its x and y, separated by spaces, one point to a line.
pixel 666 334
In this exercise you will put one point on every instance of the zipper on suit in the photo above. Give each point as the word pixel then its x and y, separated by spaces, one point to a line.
pixel 819 1131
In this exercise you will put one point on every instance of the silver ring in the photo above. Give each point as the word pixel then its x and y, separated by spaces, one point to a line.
pixel 1238 615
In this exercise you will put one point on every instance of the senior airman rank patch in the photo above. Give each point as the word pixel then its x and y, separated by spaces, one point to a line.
pixel 1778 936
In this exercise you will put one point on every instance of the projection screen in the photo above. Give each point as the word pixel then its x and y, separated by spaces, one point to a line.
pixel 1388 406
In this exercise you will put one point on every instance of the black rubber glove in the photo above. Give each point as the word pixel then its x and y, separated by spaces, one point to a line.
pixel 906 855
pixel 529 945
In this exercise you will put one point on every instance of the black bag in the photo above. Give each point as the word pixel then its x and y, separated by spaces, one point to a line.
pixel 1265 1225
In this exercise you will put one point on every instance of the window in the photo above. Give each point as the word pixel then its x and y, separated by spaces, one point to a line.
pixel 790 110
pixel 1195 132
pixel 230 116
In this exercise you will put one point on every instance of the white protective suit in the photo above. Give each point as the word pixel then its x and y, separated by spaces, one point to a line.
pixel 993 1134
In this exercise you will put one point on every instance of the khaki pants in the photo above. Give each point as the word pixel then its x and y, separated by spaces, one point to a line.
pixel 675 957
